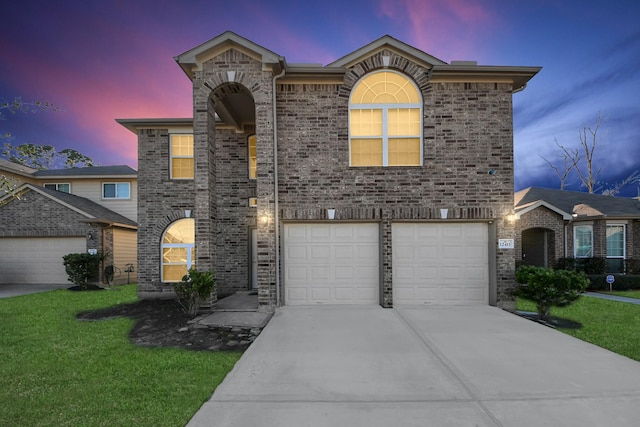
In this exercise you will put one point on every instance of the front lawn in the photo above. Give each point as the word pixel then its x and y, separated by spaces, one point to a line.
pixel 608 324
pixel 59 371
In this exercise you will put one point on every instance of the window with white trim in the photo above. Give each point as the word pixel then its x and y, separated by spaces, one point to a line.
pixel 63 187
pixel 181 154
pixel 616 248
pixel 178 250
pixel 385 121
pixel 116 190
pixel 583 241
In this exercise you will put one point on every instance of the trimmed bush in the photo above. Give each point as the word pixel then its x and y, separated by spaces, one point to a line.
pixel 624 282
pixel 548 288
pixel 195 287
pixel 594 265
pixel 82 268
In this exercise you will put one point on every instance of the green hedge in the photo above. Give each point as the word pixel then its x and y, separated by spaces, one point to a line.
pixel 622 283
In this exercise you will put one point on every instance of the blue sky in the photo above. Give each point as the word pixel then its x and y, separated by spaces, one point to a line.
pixel 102 60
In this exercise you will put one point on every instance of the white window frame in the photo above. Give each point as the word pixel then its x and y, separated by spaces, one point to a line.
pixel 385 122
pixel 57 186
pixel 117 197
pixel 575 240
pixel 171 156
pixel 624 241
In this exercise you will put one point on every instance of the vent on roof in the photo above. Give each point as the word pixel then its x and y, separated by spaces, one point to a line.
pixel 464 62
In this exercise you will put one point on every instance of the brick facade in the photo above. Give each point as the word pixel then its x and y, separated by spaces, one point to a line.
pixel 468 131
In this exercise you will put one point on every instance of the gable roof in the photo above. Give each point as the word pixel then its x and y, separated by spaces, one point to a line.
pixel 391 43
pixel 16 168
pixel 123 171
pixel 93 211
pixel 193 59
pixel 577 204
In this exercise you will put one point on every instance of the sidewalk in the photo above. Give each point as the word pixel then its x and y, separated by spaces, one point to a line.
pixel 612 297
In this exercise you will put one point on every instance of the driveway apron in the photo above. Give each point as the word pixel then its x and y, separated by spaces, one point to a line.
pixel 370 366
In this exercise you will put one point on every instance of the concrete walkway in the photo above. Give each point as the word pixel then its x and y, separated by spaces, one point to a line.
pixel 612 297
pixel 440 366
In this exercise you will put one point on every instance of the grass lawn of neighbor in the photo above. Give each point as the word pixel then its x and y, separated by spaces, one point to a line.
pixel 59 371
pixel 608 324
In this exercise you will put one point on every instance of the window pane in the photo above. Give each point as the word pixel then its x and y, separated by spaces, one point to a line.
pixel 181 231
pixel 385 88
pixel 583 242
pixel 109 191
pixel 173 273
pixel 366 122
pixel 404 152
pixel 51 186
pixel 182 168
pixel 615 241
pixel 65 188
pixel 123 190
pixel 174 255
pixel 404 122
pixel 253 158
pixel 366 152
pixel 182 145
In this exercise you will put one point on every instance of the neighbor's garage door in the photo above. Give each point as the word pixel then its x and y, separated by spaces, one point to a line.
pixel 331 263
pixel 37 260
pixel 436 263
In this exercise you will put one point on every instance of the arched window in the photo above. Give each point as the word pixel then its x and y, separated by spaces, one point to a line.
pixel 178 250
pixel 385 121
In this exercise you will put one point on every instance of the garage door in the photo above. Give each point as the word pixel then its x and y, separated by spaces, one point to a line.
pixel 37 260
pixel 331 263
pixel 435 263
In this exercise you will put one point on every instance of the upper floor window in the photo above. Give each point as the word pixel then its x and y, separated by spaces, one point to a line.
pixel 385 121
pixel 181 153
pixel 583 241
pixel 253 158
pixel 116 190
pixel 65 188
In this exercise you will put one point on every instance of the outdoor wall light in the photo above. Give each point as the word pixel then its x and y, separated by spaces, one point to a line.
pixel 264 219
pixel 511 217
pixel 444 213
pixel 187 213
pixel 331 213
pixel 90 235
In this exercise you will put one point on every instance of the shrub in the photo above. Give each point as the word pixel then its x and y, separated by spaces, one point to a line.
pixel 82 268
pixel 548 288
pixel 594 265
pixel 195 287
pixel 623 282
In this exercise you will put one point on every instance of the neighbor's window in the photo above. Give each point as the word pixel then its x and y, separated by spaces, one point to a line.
pixel 385 121
pixel 253 158
pixel 583 241
pixel 182 156
pixel 178 250
pixel 65 188
pixel 116 190
pixel 615 248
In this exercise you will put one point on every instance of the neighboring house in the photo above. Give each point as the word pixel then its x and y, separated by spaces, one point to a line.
pixel 554 224
pixel 385 177
pixel 57 212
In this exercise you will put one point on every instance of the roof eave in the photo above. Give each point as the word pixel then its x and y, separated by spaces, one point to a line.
pixel 519 76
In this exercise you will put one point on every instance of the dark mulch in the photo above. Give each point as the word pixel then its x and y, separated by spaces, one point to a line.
pixel 552 322
pixel 163 323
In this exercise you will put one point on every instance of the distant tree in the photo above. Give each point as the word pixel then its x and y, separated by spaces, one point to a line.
pixel 18 105
pixel 581 160
pixel 45 156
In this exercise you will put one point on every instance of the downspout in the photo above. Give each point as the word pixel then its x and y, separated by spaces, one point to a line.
pixel 276 215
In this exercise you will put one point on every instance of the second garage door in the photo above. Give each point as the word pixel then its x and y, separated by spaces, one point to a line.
pixel 331 263
pixel 437 263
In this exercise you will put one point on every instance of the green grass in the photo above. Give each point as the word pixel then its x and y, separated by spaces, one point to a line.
pixel 628 294
pixel 608 324
pixel 58 371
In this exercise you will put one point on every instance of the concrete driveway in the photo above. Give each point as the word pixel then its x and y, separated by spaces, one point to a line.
pixel 440 366
pixel 14 290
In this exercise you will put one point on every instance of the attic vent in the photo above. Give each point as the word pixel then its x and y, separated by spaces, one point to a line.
pixel 468 63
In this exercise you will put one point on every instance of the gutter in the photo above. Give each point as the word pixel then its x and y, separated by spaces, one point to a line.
pixel 276 215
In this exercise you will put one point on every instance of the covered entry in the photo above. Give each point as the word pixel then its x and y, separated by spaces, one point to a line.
pixel 440 263
pixel 331 263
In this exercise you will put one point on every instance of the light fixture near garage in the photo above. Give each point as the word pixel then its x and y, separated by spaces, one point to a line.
pixel 331 213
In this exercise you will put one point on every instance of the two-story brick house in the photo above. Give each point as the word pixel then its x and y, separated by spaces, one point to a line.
pixel 57 212
pixel 385 177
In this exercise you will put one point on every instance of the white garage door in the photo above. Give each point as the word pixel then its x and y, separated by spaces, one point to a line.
pixel 331 263
pixel 37 260
pixel 435 263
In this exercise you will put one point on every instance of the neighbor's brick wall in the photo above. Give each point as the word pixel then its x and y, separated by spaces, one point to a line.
pixel 542 217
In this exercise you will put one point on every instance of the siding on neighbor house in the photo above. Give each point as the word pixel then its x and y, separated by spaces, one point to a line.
pixel 92 189
pixel 125 253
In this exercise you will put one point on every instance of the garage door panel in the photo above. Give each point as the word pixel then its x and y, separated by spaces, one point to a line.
pixel 341 264
pixel 440 263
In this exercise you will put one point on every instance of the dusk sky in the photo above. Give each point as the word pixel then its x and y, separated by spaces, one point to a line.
pixel 103 60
